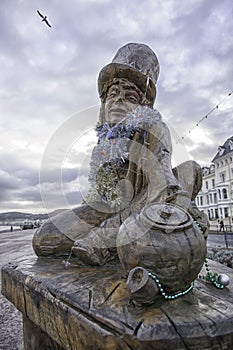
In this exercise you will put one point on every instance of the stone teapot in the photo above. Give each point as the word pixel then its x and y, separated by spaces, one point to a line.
pixel 165 240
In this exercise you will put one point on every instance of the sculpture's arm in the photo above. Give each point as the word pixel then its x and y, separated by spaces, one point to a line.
pixel 162 184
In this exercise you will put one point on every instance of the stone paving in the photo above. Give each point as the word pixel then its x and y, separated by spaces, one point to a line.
pixel 11 332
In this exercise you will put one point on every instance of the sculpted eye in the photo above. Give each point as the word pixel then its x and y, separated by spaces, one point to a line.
pixel 132 98
pixel 112 93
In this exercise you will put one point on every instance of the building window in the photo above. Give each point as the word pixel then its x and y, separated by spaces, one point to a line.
pixel 212 214
pixel 230 143
pixel 222 176
pixel 219 194
pixel 216 213
pixel 215 198
pixel 221 150
pixel 212 168
pixel 224 193
pixel 226 212
pixel 207 198
pixel 211 200
pixel 213 183
pixel 201 200
pixel 206 185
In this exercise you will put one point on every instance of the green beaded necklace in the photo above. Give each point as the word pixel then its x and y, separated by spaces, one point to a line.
pixel 211 277
pixel 167 296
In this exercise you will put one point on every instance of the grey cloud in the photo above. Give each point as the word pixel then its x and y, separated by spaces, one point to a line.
pixel 9 185
pixel 203 153
pixel 74 198
pixel 8 181
pixel 28 194
pixel 49 74
pixel 62 175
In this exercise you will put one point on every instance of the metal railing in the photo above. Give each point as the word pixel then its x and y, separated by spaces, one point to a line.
pixel 226 228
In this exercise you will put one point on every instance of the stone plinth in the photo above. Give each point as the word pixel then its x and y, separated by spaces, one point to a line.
pixel 89 308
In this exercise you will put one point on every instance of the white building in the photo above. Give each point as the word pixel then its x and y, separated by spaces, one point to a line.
pixel 216 196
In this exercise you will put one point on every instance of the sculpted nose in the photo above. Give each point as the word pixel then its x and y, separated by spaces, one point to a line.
pixel 120 98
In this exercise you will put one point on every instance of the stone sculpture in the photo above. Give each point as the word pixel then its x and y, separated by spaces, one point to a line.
pixel 139 210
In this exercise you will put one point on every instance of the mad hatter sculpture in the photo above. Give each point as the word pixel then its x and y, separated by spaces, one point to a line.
pixel 139 210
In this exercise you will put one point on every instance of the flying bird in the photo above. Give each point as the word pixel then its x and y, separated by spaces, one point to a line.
pixel 44 18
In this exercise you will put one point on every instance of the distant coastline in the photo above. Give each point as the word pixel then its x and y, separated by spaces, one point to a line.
pixel 14 217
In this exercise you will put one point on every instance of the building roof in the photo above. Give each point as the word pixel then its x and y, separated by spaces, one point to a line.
pixel 225 149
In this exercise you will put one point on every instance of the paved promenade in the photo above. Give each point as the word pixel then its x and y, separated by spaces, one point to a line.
pixel 11 333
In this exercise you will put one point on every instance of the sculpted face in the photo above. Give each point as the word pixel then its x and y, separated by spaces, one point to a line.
pixel 121 98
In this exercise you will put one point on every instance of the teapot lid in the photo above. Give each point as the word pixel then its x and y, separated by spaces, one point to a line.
pixel 165 216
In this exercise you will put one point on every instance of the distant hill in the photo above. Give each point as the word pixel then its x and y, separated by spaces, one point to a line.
pixel 15 216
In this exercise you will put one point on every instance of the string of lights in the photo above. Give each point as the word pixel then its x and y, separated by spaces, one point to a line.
pixel 207 114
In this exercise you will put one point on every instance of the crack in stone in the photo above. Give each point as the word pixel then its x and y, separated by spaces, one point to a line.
pixel 138 327
pixel 111 293
pixel 176 330
pixel 25 304
pixel 90 299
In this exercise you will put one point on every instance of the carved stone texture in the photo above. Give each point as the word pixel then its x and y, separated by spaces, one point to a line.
pixel 164 240
pixel 135 62
pixel 50 238
pixel 89 308
pixel 36 339
pixel 124 177
pixel 143 289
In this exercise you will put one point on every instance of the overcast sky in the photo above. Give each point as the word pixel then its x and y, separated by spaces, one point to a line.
pixel 48 91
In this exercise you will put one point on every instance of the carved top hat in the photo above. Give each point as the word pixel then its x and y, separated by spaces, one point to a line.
pixel 135 62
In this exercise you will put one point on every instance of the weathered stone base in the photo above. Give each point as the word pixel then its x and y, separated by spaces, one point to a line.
pixel 83 308
pixel 35 338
